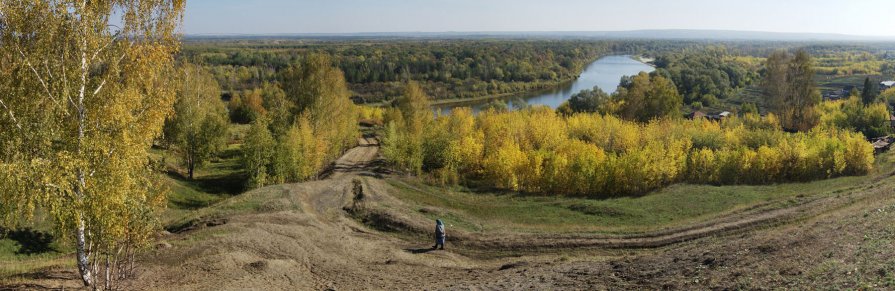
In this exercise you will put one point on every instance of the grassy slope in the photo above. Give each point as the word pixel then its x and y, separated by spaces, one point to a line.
pixel 28 250
pixel 673 206
pixel 217 181
pixel 477 211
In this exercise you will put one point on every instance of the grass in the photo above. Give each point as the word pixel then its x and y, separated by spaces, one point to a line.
pixel 673 206
pixel 214 182
pixel 30 249
pixel 27 250
pixel 265 199
pixel 217 181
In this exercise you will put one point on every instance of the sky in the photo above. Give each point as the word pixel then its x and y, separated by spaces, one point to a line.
pixel 853 17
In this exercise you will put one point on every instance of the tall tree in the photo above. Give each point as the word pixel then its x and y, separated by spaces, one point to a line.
pixel 789 84
pixel 198 129
pixel 415 107
pixel 869 92
pixel 82 99
pixel 594 100
pixel 403 141
pixel 647 97
pixel 318 91
pixel 258 152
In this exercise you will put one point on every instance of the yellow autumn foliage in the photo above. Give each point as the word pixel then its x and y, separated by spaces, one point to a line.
pixel 537 150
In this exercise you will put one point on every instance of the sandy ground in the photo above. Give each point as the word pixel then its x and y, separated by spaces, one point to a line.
pixel 317 243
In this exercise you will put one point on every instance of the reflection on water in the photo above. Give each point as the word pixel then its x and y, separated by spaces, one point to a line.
pixel 605 73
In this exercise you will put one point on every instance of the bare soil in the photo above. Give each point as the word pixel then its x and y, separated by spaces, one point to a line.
pixel 346 233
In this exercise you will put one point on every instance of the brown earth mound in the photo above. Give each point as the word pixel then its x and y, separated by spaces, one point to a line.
pixel 337 236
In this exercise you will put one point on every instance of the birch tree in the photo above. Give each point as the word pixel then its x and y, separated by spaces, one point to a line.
pixel 318 91
pixel 198 129
pixel 82 98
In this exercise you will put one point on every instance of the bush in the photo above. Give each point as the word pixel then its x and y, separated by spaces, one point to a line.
pixel 538 150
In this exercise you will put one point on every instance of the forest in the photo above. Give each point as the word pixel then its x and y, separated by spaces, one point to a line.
pixel 375 70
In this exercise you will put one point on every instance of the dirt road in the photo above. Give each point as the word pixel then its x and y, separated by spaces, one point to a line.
pixel 360 159
pixel 308 241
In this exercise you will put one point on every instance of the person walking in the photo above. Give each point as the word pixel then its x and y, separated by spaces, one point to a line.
pixel 439 234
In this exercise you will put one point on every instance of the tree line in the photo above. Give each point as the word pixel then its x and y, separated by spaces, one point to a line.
pixel 297 124
pixel 593 155
pixel 376 70
pixel 635 140
pixel 703 76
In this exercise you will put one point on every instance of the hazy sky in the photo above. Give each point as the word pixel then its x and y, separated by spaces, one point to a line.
pixel 856 17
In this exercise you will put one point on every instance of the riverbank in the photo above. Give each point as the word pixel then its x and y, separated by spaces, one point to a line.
pixel 461 101
pixel 645 60
pixel 605 73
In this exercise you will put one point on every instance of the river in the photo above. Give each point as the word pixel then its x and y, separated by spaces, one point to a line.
pixel 605 72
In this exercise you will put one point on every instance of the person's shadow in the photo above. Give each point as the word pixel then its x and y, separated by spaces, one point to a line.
pixel 419 250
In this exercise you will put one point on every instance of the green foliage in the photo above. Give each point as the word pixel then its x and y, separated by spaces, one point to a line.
pixel 246 106
pixel 872 120
pixel 318 90
pixel 297 156
pixel 538 150
pixel 299 128
pixel 198 128
pixel 377 70
pixel 869 91
pixel 84 97
pixel 789 84
pixel 594 100
pixel 697 105
pixel 646 97
pixel 403 141
pixel 497 105
pixel 846 60
pixel 257 152
pixel 749 108
pixel 888 96
pixel 706 74
pixel 415 107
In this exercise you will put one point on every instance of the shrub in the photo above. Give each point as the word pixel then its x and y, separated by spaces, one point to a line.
pixel 538 150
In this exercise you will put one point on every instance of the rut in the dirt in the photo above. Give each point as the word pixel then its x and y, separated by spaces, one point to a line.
pixel 314 238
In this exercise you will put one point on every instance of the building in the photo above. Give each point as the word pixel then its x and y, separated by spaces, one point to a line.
pixel 719 116
pixel 886 85
pixel 833 95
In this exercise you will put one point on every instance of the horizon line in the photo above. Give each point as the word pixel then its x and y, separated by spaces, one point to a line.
pixel 473 32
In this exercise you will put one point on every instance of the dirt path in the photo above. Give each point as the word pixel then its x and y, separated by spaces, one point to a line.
pixel 309 242
pixel 360 159
pixel 312 246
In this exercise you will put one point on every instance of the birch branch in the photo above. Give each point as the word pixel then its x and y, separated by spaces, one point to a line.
pixel 11 115
pixel 36 74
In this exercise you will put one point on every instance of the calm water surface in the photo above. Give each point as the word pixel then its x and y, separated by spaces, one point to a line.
pixel 605 72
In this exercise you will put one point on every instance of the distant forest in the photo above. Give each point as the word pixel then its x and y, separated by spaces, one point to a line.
pixel 705 73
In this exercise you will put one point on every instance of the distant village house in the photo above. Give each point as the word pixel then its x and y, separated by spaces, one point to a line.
pixel 716 117
pixel 886 85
